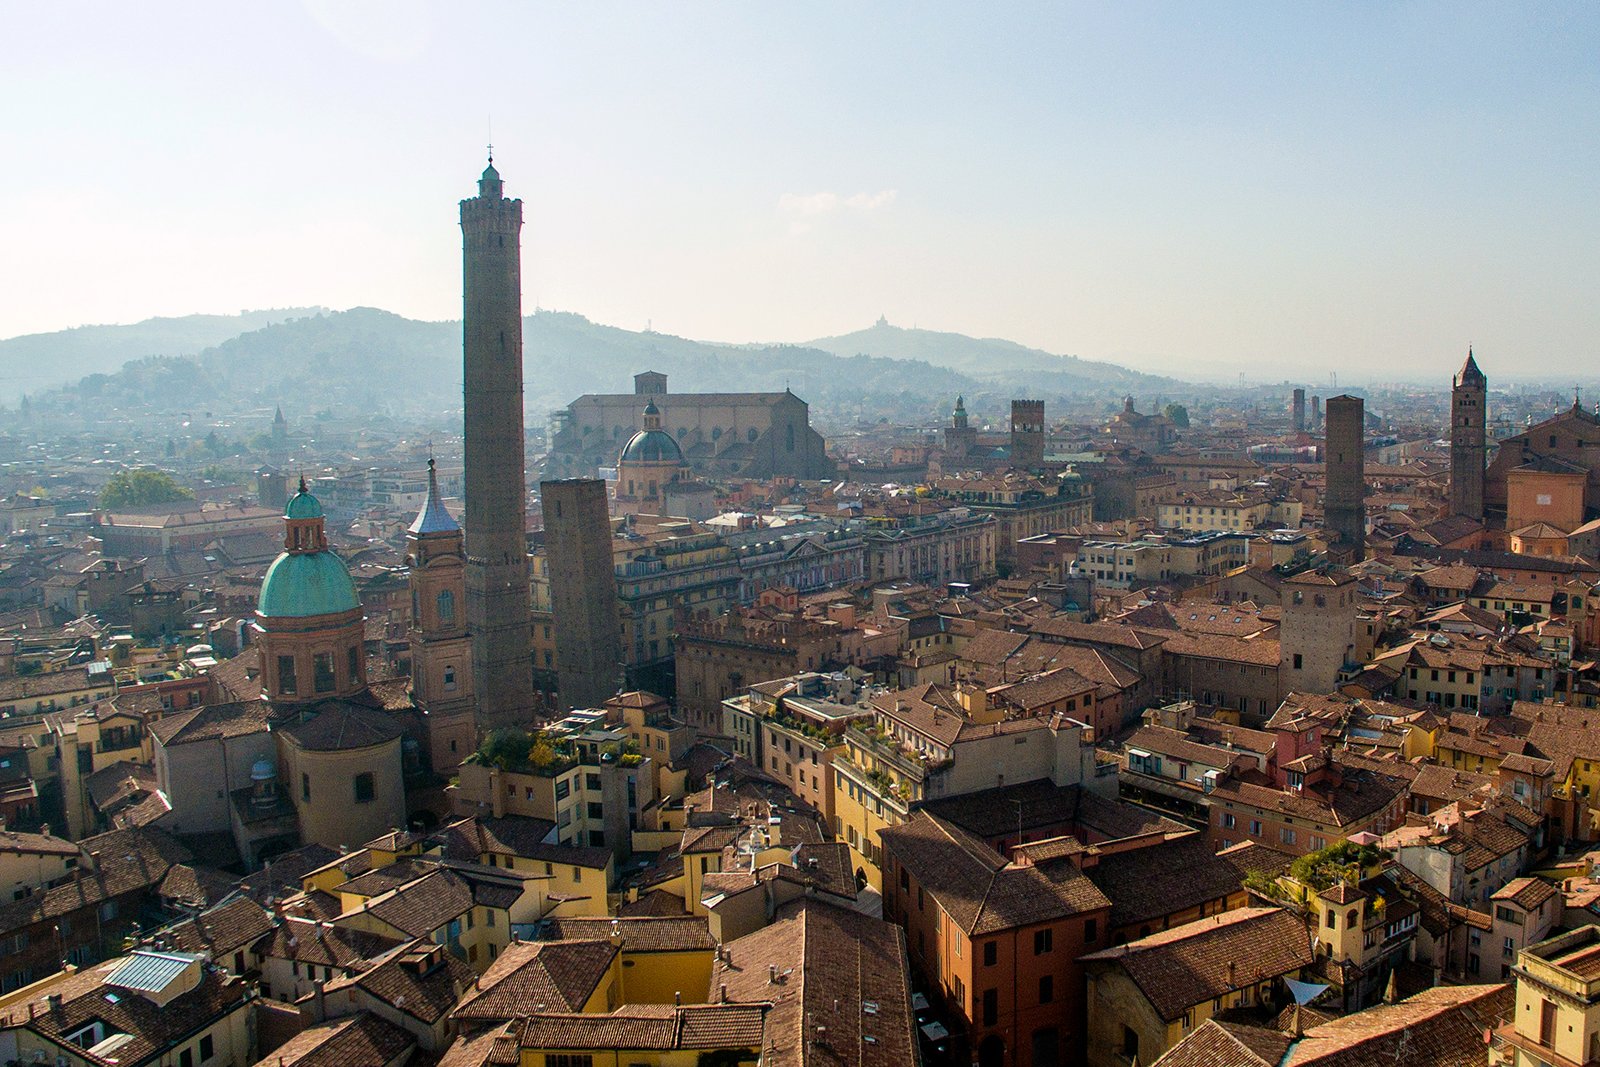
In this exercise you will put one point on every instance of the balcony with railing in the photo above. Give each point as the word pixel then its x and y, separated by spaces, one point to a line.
pixel 883 748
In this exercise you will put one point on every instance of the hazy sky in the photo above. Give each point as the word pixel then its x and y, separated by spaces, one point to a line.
pixel 1183 187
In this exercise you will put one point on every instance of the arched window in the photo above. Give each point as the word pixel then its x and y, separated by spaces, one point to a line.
pixel 322 680
pixel 447 608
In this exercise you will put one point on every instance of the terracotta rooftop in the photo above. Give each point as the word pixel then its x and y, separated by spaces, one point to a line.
pixel 557 976
pixel 1527 893
pixel 1441 1027
pixel 1199 961
pixel 834 968
pixel 152 1027
pixel 659 1027
pixel 977 888
pixel 213 722
pixel 679 933
pixel 418 978
pixel 1228 1044
pixel 355 1039
pixel 223 930
pixel 1174 875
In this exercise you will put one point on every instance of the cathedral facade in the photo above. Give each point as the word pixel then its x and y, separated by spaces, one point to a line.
pixel 749 435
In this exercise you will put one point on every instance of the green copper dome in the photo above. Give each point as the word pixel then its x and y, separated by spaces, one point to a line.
pixel 301 584
pixel 652 446
pixel 303 505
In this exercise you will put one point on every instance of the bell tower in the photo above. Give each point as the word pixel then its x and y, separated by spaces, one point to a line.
pixel 499 599
pixel 441 648
pixel 1469 394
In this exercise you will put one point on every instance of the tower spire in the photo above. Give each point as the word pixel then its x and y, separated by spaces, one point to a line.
pixel 1469 397
pixel 433 518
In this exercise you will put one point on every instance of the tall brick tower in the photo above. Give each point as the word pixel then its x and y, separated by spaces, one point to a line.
pixel 583 591
pixel 499 601
pixel 1299 407
pixel 1345 499
pixel 1468 442
pixel 1027 434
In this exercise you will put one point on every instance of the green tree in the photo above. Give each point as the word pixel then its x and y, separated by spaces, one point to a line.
pixel 1179 415
pixel 542 754
pixel 143 485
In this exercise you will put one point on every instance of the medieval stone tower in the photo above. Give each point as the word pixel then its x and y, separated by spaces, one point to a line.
pixel 583 590
pixel 499 603
pixel 441 650
pixel 1345 499
pixel 1468 442
pixel 1027 434
pixel 1319 634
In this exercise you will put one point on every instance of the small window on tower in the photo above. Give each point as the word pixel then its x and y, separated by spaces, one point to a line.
pixel 353 663
pixel 322 672
pixel 286 678
pixel 447 608
pixel 449 676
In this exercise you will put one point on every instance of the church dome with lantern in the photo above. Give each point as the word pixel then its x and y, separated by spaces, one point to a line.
pixel 307 578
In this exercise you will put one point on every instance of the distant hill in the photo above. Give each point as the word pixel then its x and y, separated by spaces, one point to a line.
pixel 992 359
pixel 41 360
pixel 374 361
